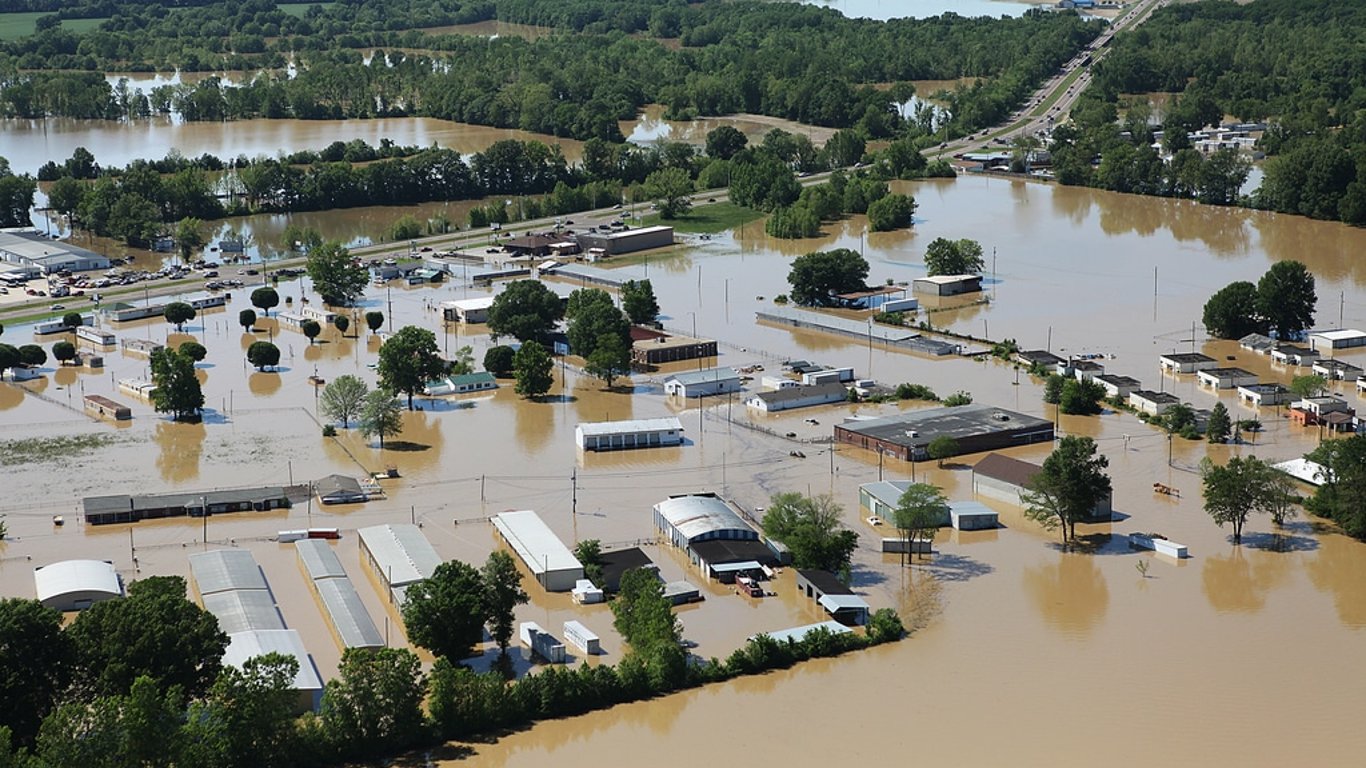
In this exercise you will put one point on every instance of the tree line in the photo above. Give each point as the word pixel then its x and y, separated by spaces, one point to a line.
pixel 786 60
pixel 1289 63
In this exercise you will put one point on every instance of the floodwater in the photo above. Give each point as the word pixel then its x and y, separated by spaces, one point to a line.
pixel 1198 659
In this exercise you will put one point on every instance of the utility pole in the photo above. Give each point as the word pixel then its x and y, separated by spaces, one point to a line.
pixel 574 491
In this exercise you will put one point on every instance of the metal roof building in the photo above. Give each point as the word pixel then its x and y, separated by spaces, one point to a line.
pixel 399 554
pixel 1339 339
pixel 635 433
pixel 797 633
pixel 694 518
pixel 244 610
pixel 548 559
pixel 73 585
pixel 974 428
pixel 248 645
pixel 225 569
pixel 714 381
pixel 341 604
pixel 31 249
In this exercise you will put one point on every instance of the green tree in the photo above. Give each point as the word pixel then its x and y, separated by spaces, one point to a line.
pixel 32 355
pixel 1220 425
pixel 189 237
pixel 1286 298
pixel 498 360
pixel 64 352
pixel 919 512
pixel 526 310
pixel 533 368
pixel 373 706
pixel 589 552
pixel 177 387
pixel 408 360
pixel 337 276
pixel 1068 488
pixel 154 632
pixel 954 257
pixel 247 319
pixel 178 313
pixel 374 320
pixel 311 329
pixel 638 302
pixel 1237 489
pixel 1081 398
pixel 248 714
pixel 405 227
pixel 1309 385
pixel 891 212
pixel 65 195
pixel 446 613
pixel 263 354
pixel 502 594
pixel 1234 311
pixel 1342 495
pixel 817 277
pixel 723 142
pixel 300 238
pixel 9 358
pixel 265 298
pixel 671 190
pixel 610 360
pixel 961 397
pixel 809 526
pixel 194 350
pixel 342 399
pixel 942 447
pixel 343 324
pixel 73 320
pixel 381 416
pixel 36 662
pixel 1052 388
pixel 593 321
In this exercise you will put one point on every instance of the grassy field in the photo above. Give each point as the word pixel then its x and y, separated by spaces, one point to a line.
pixel 16 25
pixel 298 9
pixel 716 217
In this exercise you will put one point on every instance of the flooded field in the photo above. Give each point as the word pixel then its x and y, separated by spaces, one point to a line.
pixel 1204 659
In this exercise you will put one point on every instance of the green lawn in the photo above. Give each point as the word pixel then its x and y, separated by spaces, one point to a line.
pixel 298 9
pixel 716 217
pixel 16 25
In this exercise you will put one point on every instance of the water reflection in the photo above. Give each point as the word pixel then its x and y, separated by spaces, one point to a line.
pixel 1340 570
pixel 264 384
pixel 181 446
pixel 1071 595
pixel 1241 580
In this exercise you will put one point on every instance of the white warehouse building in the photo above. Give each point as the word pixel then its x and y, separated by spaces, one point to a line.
pixel 73 585
pixel 636 433
pixel 551 563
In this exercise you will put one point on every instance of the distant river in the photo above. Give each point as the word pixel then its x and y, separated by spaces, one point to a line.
pixel 919 9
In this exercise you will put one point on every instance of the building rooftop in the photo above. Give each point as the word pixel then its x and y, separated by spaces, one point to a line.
pixel 803 391
pixel 946 279
pixel 628 233
pixel 1333 364
pixel 226 569
pixel 668 342
pixel 618 562
pixel 1257 341
pixel 68 576
pixel 698 515
pixel 886 491
pixel 318 559
pixel 1345 334
pixel 1293 349
pixel 1038 356
pixel 1227 372
pixel 1187 357
pixel 248 645
pixel 689 378
pixel 534 542
pixel 720 551
pixel 244 610
pixel 38 249
pixel 403 554
pixel 597 428
pixel 918 428
pixel 825 581
pixel 797 633
pixel 837 324
pixel 1263 389
pixel 348 615
pixel 1007 469
pixel 1159 398
pixel 836 603
pixel 1118 381
pixel 481 302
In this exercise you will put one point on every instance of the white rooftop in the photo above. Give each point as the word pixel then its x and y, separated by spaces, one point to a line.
pixel 628 427
pixel 225 569
pixel 694 516
pixel 70 576
pixel 318 559
pixel 403 554
pixel 946 279
pixel 481 302
pixel 534 542
pixel 797 633
pixel 248 645
pixel 349 617
pixel 833 603
pixel 1303 469
pixel 244 610
pixel 639 231
pixel 688 378
pixel 1340 335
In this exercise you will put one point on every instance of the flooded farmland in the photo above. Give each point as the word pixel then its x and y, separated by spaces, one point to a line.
pixel 1244 654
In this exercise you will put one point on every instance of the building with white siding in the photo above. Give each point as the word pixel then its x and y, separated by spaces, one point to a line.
pixel 635 433
pixel 551 563
pixel 74 585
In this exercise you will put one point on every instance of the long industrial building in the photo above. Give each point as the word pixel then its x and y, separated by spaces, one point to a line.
pixel 351 624
pixel 636 433
pixel 125 508
pixel 551 563
pixel 715 537
pixel 399 555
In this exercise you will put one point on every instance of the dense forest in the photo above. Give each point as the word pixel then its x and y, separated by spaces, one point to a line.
pixel 1294 64
pixel 610 58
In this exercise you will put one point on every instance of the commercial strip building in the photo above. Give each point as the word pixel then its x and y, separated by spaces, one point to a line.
pixel 1118 386
pixel 798 396
pixel 627 241
pixel 74 585
pixel 551 563
pixel 399 555
pixel 1258 395
pixel 99 405
pixel 1226 378
pixel 947 285
pixel 1152 403
pixel 886 335
pixel 622 435
pixel 796 634
pixel 481 381
pixel 125 508
pixel 351 624
pixel 225 570
pixel 713 381
pixel 48 256
pixel 307 684
pixel 656 348
pixel 974 428
pixel 1186 362
pixel 1341 339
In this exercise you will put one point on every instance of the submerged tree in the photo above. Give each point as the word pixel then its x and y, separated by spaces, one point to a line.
pixel 343 398
pixel 1068 487
pixel 381 416
pixel 919 512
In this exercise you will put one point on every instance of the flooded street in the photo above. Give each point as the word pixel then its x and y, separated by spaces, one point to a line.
pixel 1246 654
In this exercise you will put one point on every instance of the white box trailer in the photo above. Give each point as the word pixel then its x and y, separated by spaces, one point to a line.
pixel 582 637
pixel 541 643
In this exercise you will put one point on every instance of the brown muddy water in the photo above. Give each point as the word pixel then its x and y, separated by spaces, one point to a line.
pixel 1024 654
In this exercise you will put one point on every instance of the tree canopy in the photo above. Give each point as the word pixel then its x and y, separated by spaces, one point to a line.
pixel 818 277
pixel 36 661
pixel 810 528
pixel 1068 488
pixel 954 257
pixel 343 398
pixel 638 302
pixel 265 298
pixel 1286 298
pixel 408 360
pixel 533 367
pixel 1234 311
pixel 337 276
pixel 178 391
pixel 526 310
pixel 381 415
pixel 445 613
pixel 919 512
pixel 263 355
